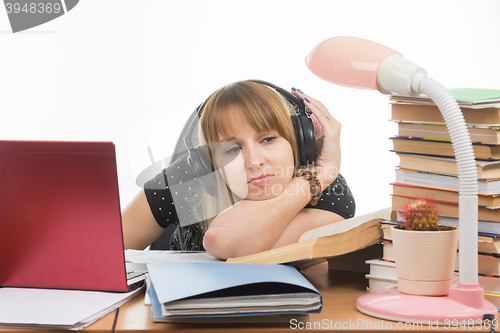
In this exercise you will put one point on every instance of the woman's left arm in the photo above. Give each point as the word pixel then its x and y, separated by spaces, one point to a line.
pixel 307 219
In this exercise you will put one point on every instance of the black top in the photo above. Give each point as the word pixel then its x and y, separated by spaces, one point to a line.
pixel 336 198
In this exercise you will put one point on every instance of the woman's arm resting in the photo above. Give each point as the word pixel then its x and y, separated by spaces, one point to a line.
pixel 139 226
pixel 254 226
pixel 306 220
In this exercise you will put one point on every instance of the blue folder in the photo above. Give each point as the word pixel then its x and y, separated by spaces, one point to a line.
pixel 180 281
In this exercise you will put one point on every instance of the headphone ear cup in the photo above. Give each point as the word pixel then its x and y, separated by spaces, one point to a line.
pixel 302 124
pixel 304 136
pixel 202 169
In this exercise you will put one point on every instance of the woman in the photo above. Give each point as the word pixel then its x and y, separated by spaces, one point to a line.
pixel 250 138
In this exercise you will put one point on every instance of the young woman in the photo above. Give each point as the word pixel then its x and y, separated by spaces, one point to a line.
pixel 248 132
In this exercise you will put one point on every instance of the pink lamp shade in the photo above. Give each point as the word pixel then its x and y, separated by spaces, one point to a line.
pixel 348 61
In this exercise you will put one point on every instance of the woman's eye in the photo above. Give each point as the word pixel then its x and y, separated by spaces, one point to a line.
pixel 269 139
pixel 233 150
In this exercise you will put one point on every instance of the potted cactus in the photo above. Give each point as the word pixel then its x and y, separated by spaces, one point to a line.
pixel 425 252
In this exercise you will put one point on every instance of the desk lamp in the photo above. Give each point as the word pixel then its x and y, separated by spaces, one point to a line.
pixel 360 63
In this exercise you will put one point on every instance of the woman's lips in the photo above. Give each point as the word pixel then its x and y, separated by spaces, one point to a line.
pixel 260 180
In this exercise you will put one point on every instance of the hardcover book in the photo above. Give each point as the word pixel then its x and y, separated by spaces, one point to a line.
pixel 446 165
pixel 484 134
pixel 451 209
pixel 442 148
pixel 426 179
pixel 318 244
pixel 406 190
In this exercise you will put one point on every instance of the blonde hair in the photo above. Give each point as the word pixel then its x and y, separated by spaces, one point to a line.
pixel 244 101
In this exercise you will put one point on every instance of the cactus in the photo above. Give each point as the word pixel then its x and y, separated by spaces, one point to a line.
pixel 420 215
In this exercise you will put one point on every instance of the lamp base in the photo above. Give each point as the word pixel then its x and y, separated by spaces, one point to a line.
pixel 390 304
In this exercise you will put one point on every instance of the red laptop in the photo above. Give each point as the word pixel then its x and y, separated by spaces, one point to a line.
pixel 60 218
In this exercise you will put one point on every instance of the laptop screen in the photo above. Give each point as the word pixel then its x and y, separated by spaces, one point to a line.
pixel 60 218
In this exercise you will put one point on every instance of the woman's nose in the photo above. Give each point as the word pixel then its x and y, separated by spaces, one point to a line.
pixel 254 158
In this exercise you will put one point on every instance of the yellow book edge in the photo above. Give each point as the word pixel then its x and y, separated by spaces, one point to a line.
pixel 331 240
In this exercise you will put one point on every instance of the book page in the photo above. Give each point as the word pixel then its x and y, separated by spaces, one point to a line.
pixel 160 257
pixel 338 227
pixel 55 308
pixel 472 97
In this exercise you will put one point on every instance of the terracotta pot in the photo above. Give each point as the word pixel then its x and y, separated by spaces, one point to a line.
pixel 425 260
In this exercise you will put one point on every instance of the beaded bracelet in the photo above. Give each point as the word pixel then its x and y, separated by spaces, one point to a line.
pixel 311 175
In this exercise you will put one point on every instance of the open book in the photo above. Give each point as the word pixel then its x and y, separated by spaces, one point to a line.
pixel 318 244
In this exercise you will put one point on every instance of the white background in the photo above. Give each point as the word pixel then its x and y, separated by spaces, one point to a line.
pixel 132 71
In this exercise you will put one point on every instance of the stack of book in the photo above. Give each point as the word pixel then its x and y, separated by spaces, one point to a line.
pixel 427 168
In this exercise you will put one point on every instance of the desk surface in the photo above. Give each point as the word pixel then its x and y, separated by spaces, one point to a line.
pixel 339 289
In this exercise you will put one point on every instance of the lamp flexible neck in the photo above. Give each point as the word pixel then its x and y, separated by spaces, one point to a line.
pixel 467 177
pixel 459 134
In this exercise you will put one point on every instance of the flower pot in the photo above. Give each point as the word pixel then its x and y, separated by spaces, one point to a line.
pixel 425 260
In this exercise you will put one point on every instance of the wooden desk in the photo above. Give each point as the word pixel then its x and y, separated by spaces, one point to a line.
pixel 339 289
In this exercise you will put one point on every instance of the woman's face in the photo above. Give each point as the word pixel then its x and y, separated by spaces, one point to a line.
pixel 255 165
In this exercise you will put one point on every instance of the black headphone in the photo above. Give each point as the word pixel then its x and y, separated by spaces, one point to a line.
pixel 199 161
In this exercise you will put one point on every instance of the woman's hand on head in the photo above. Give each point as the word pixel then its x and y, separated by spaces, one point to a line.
pixel 329 128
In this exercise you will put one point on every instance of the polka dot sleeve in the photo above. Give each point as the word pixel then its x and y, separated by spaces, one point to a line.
pixel 160 194
pixel 160 200
pixel 337 198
